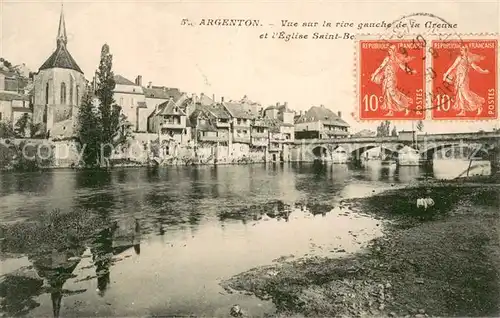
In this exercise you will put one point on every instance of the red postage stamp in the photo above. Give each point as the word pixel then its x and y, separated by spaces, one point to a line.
pixel 391 80
pixel 464 82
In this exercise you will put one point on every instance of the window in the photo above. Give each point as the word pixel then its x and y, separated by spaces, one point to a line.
pixel 47 93
pixel 0 116
pixel 121 101
pixel 132 102
pixel 71 84
pixel 63 93
pixel 77 95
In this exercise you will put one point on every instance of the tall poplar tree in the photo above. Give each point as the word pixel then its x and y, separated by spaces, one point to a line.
pixel 104 92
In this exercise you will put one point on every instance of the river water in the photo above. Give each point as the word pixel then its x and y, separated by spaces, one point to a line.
pixel 168 236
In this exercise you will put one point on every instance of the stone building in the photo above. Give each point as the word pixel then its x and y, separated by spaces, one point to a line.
pixel 170 122
pixel 241 120
pixel 58 88
pixel 13 102
pixel 322 123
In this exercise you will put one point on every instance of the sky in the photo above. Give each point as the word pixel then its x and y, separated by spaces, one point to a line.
pixel 146 38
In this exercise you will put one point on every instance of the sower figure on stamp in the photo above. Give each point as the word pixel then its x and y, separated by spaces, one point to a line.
pixel 386 75
pixel 458 74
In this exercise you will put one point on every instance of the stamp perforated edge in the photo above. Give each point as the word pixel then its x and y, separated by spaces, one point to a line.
pixel 437 36
pixel 466 37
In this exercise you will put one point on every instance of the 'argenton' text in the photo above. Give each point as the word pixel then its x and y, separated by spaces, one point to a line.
pixel 230 22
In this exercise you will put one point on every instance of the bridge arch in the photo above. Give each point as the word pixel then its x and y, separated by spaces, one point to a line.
pixel 319 152
pixel 428 154
pixel 357 151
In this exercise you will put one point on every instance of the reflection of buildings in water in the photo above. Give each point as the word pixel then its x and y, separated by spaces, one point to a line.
pixel 339 172
pixel 278 210
pixel 56 268
pixel 110 242
pixel 275 209
pixel 405 174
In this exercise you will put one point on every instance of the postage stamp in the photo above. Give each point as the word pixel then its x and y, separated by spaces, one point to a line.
pixel 465 79
pixel 391 80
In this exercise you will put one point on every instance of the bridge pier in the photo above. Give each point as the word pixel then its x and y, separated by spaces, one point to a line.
pixel 494 158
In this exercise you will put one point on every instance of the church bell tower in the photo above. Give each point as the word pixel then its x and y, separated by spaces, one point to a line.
pixel 58 88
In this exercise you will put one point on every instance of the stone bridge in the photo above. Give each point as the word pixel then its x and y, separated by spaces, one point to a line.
pixel 475 144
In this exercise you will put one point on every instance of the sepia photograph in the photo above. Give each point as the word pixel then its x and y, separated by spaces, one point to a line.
pixel 165 158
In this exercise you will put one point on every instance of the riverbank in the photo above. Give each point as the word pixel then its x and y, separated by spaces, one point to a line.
pixel 444 261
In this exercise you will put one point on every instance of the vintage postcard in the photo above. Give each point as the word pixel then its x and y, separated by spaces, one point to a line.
pixel 249 158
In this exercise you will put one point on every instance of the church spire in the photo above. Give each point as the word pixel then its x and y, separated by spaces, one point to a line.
pixel 62 39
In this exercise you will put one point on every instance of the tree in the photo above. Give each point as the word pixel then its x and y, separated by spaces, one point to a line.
pixel 394 132
pixel 104 92
pixel 89 132
pixel 383 130
pixel 25 126
pixel 6 130
pixel 420 125
pixel 122 128
pixel 22 124
pixel 115 128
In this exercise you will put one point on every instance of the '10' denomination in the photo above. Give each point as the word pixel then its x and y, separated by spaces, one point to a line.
pixel 465 79
pixel 392 80
pixel 393 73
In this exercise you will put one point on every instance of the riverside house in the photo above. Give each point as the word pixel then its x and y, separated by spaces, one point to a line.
pixel 211 128
pixel 259 139
pixel 130 97
pixel 155 95
pixel 279 119
pixel 13 102
pixel 169 120
pixel 322 123
pixel 241 120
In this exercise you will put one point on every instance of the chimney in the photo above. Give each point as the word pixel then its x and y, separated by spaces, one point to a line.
pixel 171 98
pixel 138 80
pixel 322 106
pixel 339 113
pixel 222 99
pixel 194 98
pixel 277 104
pixel 213 97
pixel 164 89
pixel 150 84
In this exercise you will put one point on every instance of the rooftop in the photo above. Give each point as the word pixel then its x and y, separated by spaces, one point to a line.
pixel 161 92
pixel 61 58
pixel 320 113
pixel 120 80
pixel 238 110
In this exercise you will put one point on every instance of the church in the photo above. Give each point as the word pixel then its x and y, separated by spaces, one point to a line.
pixel 58 89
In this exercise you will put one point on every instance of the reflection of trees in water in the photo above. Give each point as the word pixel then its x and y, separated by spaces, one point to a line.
pixel 17 294
pixel 26 182
pixel 173 208
pixel 321 181
pixel 108 244
pixel 54 258
pixel 93 178
pixel 56 268
pixel 275 209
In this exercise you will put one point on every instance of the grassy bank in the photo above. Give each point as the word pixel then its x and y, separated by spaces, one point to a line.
pixel 441 262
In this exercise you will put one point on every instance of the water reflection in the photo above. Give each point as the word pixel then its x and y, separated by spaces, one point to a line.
pixel 201 224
